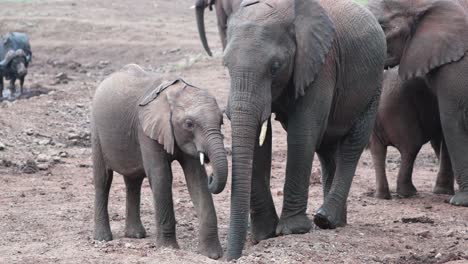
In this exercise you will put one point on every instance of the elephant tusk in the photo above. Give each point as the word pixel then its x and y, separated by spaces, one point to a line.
pixel 192 7
pixel 202 158
pixel 263 133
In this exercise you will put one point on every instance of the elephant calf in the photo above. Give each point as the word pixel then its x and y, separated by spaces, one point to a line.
pixel 407 118
pixel 139 126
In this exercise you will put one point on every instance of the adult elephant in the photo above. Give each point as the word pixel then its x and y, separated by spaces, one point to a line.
pixel 224 8
pixel 318 66
pixel 429 39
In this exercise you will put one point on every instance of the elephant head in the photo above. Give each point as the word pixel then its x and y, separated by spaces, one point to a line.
pixel 275 48
pixel 422 35
pixel 17 61
pixel 189 119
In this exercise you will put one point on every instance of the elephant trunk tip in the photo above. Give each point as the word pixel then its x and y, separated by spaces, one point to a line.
pixel 214 185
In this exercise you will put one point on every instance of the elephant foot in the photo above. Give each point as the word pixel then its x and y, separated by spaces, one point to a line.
pixel 263 227
pixel 102 234
pixel 210 248
pixel 329 218
pixel 135 231
pixel 167 243
pixel 444 189
pixel 460 199
pixel 383 194
pixel 406 190
pixel 297 224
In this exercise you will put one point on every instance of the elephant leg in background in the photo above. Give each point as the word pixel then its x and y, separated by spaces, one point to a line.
pixel 379 156
pixel 196 178
pixel 159 173
pixel 263 213
pixel 133 226
pixel 21 84
pixel 102 183
pixel 327 157
pixel 333 212
pixel 405 186
pixel 445 178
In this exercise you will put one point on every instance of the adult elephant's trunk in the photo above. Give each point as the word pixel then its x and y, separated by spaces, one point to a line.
pixel 244 130
pixel 249 106
pixel 200 14
pixel 217 155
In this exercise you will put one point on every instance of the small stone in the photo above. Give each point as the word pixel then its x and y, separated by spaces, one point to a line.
pixel 432 251
pixel 42 158
pixel 128 245
pixel 80 105
pixel 62 76
pixel 43 166
pixel 438 255
pixel 29 132
pixel 45 141
pixel 56 159
pixel 2 146
pixel 424 234
pixel 29 167
pixel 63 154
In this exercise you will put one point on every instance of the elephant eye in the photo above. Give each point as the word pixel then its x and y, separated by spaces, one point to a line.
pixel 275 66
pixel 189 124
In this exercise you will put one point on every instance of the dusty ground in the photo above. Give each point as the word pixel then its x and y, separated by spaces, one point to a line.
pixel 46 193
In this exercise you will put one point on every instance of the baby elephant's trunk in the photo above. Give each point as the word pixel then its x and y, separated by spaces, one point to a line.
pixel 217 155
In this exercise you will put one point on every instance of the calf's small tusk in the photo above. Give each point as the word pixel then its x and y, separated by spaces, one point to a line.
pixel 202 158
pixel 263 133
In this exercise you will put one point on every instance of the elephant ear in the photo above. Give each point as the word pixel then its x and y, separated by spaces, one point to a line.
pixel 440 36
pixel 314 36
pixel 155 117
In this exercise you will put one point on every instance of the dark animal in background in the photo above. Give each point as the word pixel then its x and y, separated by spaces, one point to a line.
pixel 224 8
pixel 429 39
pixel 16 66
pixel 407 118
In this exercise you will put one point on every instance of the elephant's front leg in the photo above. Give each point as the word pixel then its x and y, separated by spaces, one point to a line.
pixel 263 213
pixel 306 124
pixel 454 119
pixel 197 184
pixel 159 173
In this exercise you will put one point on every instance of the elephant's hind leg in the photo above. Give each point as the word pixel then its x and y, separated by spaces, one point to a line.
pixel 102 183
pixel 379 155
pixel 133 226
pixel 405 186
pixel 333 211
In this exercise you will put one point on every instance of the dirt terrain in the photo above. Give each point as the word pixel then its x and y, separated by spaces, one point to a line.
pixel 46 190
